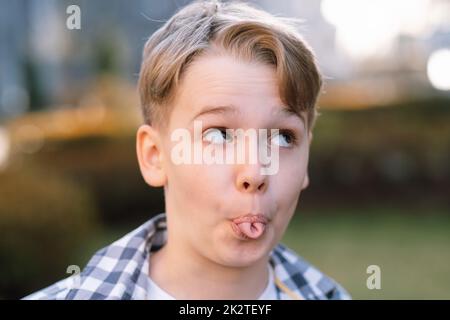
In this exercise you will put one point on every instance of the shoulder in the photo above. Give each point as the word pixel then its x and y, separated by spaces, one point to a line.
pixel 113 272
pixel 57 291
pixel 302 278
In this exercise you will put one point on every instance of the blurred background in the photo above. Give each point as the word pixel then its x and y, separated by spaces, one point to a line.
pixel 379 166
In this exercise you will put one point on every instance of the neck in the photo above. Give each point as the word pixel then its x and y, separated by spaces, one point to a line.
pixel 185 274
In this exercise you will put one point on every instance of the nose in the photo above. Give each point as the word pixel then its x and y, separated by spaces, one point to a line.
pixel 250 179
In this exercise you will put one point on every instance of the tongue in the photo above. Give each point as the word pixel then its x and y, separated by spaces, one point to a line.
pixel 252 230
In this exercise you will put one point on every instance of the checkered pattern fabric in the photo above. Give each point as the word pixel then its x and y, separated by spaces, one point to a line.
pixel 120 271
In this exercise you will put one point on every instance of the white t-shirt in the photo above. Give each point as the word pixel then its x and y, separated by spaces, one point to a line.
pixel 155 292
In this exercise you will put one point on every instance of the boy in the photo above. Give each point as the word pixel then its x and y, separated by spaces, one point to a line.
pixel 214 69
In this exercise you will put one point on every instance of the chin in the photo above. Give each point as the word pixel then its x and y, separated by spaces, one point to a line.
pixel 245 253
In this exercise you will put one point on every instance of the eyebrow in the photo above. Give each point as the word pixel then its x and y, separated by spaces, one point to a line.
pixel 221 109
pixel 224 109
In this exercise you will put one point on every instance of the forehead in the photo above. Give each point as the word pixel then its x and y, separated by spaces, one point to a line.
pixel 222 79
pixel 236 87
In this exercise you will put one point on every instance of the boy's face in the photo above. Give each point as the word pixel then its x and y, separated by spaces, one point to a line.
pixel 203 199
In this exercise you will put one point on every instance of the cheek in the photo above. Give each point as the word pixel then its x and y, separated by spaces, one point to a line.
pixel 197 184
pixel 287 186
pixel 187 179
pixel 292 172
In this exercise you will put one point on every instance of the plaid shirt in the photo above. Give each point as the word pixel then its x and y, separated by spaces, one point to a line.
pixel 120 271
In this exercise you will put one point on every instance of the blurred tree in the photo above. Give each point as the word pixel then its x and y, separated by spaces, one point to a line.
pixel 46 220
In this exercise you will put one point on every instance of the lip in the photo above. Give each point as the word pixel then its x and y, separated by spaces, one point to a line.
pixel 248 218
pixel 252 218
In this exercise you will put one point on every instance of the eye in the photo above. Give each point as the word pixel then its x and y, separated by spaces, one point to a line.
pixel 216 136
pixel 284 138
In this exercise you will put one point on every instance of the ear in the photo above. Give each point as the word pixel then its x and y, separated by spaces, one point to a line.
pixel 306 179
pixel 150 156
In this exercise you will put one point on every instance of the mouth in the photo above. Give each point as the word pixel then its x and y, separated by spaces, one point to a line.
pixel 250 226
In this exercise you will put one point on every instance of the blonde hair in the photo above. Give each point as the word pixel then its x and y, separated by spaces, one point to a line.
pixel 235 28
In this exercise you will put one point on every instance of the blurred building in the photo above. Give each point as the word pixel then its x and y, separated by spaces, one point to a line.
pixel 371 52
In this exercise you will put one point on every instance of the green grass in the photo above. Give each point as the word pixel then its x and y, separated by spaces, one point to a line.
pixel 413 251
